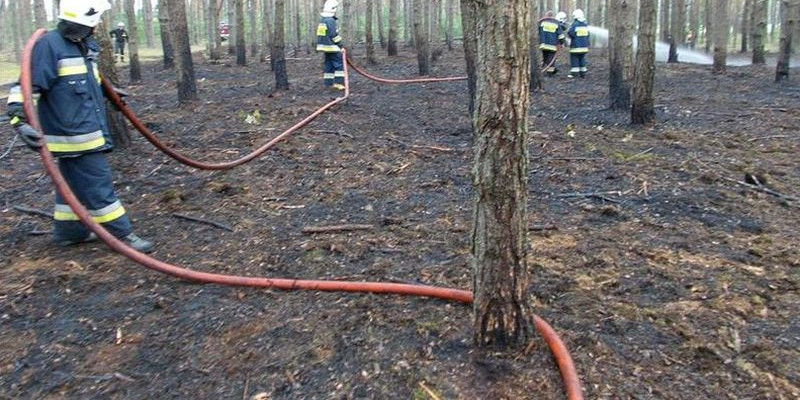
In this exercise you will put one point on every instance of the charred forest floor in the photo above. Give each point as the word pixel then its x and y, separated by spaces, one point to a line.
pixel 666 275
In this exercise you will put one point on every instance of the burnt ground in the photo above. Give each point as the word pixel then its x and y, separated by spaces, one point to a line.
pixel 665 277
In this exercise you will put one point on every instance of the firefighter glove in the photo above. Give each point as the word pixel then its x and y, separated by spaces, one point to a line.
pixel 29 135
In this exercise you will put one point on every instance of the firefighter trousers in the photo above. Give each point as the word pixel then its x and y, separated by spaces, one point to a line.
pixel 334 69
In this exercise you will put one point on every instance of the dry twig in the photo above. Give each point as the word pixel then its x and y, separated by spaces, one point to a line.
pixel 203 221
pixel 34 211
pixel 336 228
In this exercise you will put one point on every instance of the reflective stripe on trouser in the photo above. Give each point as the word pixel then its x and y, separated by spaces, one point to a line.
pixel 89 177
pixel 577 62
pixel 548 58
pixel 334 69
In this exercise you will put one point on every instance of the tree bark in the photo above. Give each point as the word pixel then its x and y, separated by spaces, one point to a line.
pixel 759 25
pixel 643 107
pixel 747 11
pixel 709 14
pixel 26 16
pixel 252 11
pixel 789 20
pixel 435 38
pixel 39 14
pixel 165 30
pixel 469 25
pixel 499 246
pixel 278 54
pixel 664 10
pixel 147 13
pixel 187 86
pixel 391 46
pixel 368 34
pixel 212 29
pixel 135 68
pixel 241 46
pixel 536 69
pixel 720 36
pixel 450 11
pixel 116 121
pixel 266 36
pixel 620 53
pixel 13 9
pixel 420 38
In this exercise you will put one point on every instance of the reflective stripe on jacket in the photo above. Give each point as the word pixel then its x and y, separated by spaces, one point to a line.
pixel 579 37
pixel 71 107
pixel 328 38
pixel 550 34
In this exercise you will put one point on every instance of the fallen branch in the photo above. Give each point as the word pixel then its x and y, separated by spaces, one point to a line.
pixel 34 211
pixel 542 228
pixel 39 232
pixel 768 137
pixel 595 195
pixel 429 392
pixel 335 228
pixel 10 146
pixel 203 221
pixel 761 188
pixel 436 148
pixel 339 133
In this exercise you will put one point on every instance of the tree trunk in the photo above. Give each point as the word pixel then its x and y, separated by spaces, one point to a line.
pixel 241 46
pixel 435 37
pixel 4 37
pixel 469 12
pixel 39 14
pixel 420 38
pixel 368 34
pixel 13 10
pixel 346 13
pixel 298 32
pixel 694 22
pixel 643 107
pixel 499 245
pixel 536 69
pixel 133 43
pixel 450 18
pixel 391 46
pixel 265 31
pixel 187 86
pixel 278 53
pixel 747 11
pixel 211 29
pixel 709 14
pixel 664 25
pixel 26 16
pixel 759 25
pixel 720 35
pixel 232 26
pixel 620 53
pixel 165 29
pixel 116 121
pixel 147 13
pixel 252 11
pixel 381 33
pixel 789 21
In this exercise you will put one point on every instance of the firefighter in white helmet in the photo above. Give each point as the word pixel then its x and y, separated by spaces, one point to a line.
pixel 330 43
pixel 120 36
pixel 72 113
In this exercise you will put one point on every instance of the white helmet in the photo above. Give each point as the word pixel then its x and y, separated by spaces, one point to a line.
pixel 121 25
pixel 578 14
pixel 329 8
pixel 83 12
pixel 561 16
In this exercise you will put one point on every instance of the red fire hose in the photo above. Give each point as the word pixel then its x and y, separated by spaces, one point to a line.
pixel 557 347
pixel 112 95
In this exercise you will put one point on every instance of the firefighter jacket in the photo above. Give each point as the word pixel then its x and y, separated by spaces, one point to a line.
pixel 119 35
pixel 579 37
pixel 70 103
pixel 550 34
pixel 328 39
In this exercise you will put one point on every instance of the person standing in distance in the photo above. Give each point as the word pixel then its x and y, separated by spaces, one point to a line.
pixel 330 43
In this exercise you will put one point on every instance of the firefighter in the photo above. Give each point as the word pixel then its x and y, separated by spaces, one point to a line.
pixel 550 37
pixel 72 113
pixel 579 44
pixel 120 37
pixel 330 43
pixel 562 20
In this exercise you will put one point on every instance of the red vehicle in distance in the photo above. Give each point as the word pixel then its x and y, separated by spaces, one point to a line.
pixel 224 30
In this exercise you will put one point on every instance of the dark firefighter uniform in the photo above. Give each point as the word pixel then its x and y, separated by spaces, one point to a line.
pixel 579 46
pixel 551 35
pixel 73 118
pixel 329 42
pixel 120 37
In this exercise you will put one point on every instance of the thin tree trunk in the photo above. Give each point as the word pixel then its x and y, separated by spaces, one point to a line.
pixel 278 54
pixel 187 86
pixel 4 37
pixel 709 13
pixel 643 107
pixel 536 69
pixel 212 30
pixel 232 24
pixel 665 13
pixel 39 13
pixel 435 37
pixel 165 28
pixel 368 34
pixel 747 11
pixel 116 121
pixel 420 38
pixel 469 25
pixel 13 10
pixel 759 25
pixel 720 36
pixel 499 246
pixel 450 11
pixel 391 46
pixel 789 20
pixel 147 13
pixel 133 45
pixel 694 21
pixel 620 53
pixel 381 29
pixel 252 11
pixel 26 15
pixel 265 30
pixel 241 45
